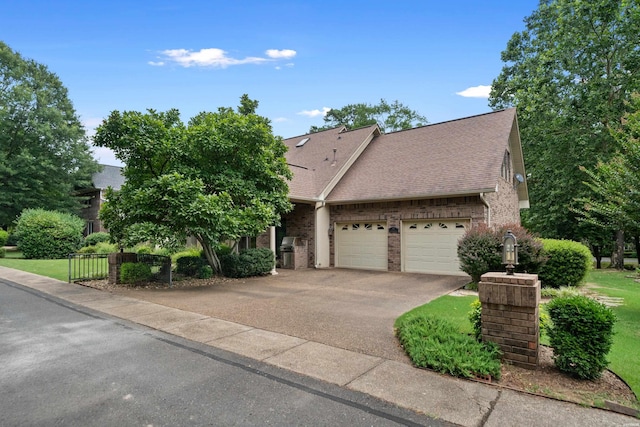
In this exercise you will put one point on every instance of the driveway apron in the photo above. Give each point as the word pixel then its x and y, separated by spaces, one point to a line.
pixel 349 309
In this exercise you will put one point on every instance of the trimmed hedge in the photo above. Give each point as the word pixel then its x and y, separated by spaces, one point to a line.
pixel 568 263
pixel 135 272
pixel 252 262
pixel 48 234
pixel 190 265
pixel 95 238
pixel 4 237
pixel 581 335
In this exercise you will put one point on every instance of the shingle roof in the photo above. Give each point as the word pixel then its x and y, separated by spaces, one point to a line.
pixel 315 164
pixel 110 176
pixel 451 158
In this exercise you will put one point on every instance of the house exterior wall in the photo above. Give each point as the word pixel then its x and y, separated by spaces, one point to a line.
pixel 91 210
pixel 504 204
pixel 392 213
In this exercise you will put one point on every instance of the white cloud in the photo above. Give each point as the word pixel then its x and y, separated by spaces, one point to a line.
pixel 211 57
pixel 315 113
pixel 216 58
pixel 279 54
pixel 280 120
pixel 476 92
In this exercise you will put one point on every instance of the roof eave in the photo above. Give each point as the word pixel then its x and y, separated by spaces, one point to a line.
pixel 414 197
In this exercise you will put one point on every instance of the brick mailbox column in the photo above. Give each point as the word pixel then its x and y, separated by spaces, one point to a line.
pixel 510 315
pixel 116 259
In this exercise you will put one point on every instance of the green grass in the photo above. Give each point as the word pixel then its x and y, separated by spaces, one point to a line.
pixel 626 341
pixel 54 268
pixel 624 355
pixel 454 309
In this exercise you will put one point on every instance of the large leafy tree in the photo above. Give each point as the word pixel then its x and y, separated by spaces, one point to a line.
pixel 614 202
pixel 569 73
pixel 389 117
pixel 44 155
pixel 219 177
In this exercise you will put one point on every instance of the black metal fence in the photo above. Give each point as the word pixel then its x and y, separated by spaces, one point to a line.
pixel 88 267
pixel 160 267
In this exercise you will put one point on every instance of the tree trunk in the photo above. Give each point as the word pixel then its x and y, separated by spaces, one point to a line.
pixel 636 244
pixel 598 256
pixel 617 257
pixel 210 254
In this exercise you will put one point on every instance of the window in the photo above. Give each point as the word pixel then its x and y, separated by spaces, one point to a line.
pixel 505 171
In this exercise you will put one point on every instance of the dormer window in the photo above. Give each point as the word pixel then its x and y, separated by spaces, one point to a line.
pixel 302 142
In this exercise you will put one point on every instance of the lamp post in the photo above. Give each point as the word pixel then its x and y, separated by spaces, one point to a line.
pixel 510 252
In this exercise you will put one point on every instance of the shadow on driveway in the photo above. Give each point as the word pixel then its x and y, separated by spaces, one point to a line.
pixel 349 309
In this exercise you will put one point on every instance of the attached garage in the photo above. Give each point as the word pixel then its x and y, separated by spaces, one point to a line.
pixel 431 246
pixel 362 245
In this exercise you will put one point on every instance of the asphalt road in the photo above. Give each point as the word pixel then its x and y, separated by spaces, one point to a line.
pixel 62 364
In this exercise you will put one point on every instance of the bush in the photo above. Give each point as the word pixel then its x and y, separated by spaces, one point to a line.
pixel 581 333
pixel 205 272
pixel 435 343
pixel 88 250
pixel 190 265
pixel 48 234
pixel 143 249
pixel 187 252
pixel 480 250
pixel 106 248
pixel 568 263
pixel 4 237
pixel 95 238
pixel 3 252
pixel 135 272
pixel 475 317
pixel 252 262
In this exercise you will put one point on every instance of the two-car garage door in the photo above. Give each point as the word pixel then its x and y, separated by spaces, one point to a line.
pixel 427 246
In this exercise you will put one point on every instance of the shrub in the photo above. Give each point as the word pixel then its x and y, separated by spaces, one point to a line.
pixel 49 234
pixel 187 252
pixel 252 262
pixel 4 237
pixel 581 334
pixel 3 252
pixel 190 265
pixel 88 250
pixel 568 263
pixel 143 249
pixel 135 272
pixel 205 272
pixel 475 317
pixel 480 250
pixel 435 343
pixel 106 248
pixel 95 238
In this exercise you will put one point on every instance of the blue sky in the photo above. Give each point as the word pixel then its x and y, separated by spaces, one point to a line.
pixel 298 58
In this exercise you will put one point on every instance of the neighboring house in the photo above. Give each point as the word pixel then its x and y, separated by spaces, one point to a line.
pixel 400 201
pixel 110 176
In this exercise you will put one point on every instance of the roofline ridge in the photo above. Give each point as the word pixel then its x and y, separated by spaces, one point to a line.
pixel 452 120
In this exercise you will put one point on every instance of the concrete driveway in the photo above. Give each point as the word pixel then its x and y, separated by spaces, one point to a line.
pixel 349 309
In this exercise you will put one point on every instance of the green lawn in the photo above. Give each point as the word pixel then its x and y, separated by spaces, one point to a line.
pixel 626 341
pixel 55 268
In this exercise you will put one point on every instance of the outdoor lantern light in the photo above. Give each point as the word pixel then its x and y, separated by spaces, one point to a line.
pixel 510 252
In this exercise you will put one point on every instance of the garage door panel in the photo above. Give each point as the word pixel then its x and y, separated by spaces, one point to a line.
pixel 362 245
pixel 431 246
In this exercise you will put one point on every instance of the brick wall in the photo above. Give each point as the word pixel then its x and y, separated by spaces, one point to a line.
pixel 392 213
pixel 504 204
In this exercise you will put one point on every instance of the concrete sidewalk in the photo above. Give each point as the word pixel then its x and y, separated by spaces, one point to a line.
pixel 461 402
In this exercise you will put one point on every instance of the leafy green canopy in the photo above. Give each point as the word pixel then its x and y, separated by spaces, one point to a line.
pixel 388 117
pixel 220 177
pixel 44 155
pixel 569 73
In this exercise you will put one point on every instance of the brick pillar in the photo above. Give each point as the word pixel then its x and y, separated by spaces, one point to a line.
pixel 115 261
pixel 510 315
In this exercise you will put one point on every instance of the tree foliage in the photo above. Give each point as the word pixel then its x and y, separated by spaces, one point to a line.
pixel 570 73
pixel 44 155
pixel 220 177
pixel 388 117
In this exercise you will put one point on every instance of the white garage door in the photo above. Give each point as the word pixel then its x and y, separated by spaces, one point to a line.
pixel 431 246
pixel 362 245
